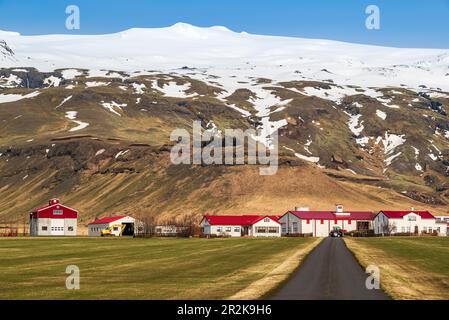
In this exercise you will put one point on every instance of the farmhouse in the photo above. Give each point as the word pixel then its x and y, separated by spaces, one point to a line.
pixel 415 222
pixel 112 226
pixel 53 219
pixel 321 223
pixel 241 226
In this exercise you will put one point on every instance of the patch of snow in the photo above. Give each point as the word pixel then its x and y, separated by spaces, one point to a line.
pixel 381 114
pixel 63 102
pixel 172 89
pixel 418 167
pixel 12 81
pixel 392 141
pixel 52 81
pixel 389 160
pixel 354 125
pixel 70 74
pixel 112 107
pixel 121 153
pixel 6 98
pixel 71 115
pixel 93 84
pixel 100 152
pixel 138 88
pixel 303 157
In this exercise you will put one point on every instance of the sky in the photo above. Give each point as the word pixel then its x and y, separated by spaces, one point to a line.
pixel 403 23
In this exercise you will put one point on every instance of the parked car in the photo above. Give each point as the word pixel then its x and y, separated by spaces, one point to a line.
pixel 336 233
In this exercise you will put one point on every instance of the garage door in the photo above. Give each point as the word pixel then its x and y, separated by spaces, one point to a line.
pixel 57 227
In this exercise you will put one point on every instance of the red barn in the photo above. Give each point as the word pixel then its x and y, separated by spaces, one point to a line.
pixel 53 219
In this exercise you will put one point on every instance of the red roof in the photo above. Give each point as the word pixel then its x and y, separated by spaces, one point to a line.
pixel 331 215
pixel 401 214
pixel 55 210
pixel 245 220
pixel 107 220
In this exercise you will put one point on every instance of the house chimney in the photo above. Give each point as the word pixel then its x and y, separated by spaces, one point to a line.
pixel 53 201
pixel 340 208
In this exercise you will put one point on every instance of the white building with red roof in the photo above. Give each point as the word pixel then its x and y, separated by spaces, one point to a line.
pixel 411 222
pixel 53 219
pixel 117 226
pixel 321 223
pixel 241 226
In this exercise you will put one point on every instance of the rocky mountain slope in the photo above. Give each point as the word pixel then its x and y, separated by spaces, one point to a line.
pixel 92 125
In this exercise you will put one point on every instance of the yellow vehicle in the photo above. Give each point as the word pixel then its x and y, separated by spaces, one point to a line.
pixel 114 230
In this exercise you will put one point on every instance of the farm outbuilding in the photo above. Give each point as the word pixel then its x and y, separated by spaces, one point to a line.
pixel 53 219
pixel 241 226
pixel 321 223
pixel 410 222
pixel 112 226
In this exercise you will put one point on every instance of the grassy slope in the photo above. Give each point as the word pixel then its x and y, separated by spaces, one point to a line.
pixel 138 268
pixel 411 268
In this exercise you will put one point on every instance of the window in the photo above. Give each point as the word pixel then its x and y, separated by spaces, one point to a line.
pixel 236 229
pixel 273 230
pixel 295 227
pixel 44 228
pixel 219 229
pixel 70 228
pixel 266 220
pixel 408 229
pixel 228 229
pixel 430 230
pixel 411 218
pixel 261 230
pixel 57 212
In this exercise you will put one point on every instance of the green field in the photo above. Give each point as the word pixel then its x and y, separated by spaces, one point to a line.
pixel 428 253
pixel 33 268
pixel 411 267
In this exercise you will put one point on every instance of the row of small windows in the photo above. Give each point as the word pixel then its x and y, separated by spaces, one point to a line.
pixel 69 228
pixel 228 229
pixel 258 229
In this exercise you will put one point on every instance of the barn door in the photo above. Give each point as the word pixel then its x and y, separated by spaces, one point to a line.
pixel 57 227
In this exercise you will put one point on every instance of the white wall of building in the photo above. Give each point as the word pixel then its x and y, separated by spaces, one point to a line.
pixel 94 230
pixel 266 228
pixel 53 227
pixel 410 223
pixel 291 224
pixel 263 228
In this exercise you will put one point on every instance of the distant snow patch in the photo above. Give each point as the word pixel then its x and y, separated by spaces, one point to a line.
pixel 6 98
pixel 52 81
pixel 112 106
pixel 63 102
pixel 172 89
pixel 93 84
pixel 71 115
pixel 381 114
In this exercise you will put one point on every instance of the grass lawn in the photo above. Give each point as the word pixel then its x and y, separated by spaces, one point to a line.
pixel 32 268
pixel 411 267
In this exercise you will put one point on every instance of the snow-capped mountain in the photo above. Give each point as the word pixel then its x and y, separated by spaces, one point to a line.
pixel 222 52
pixel 90 117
